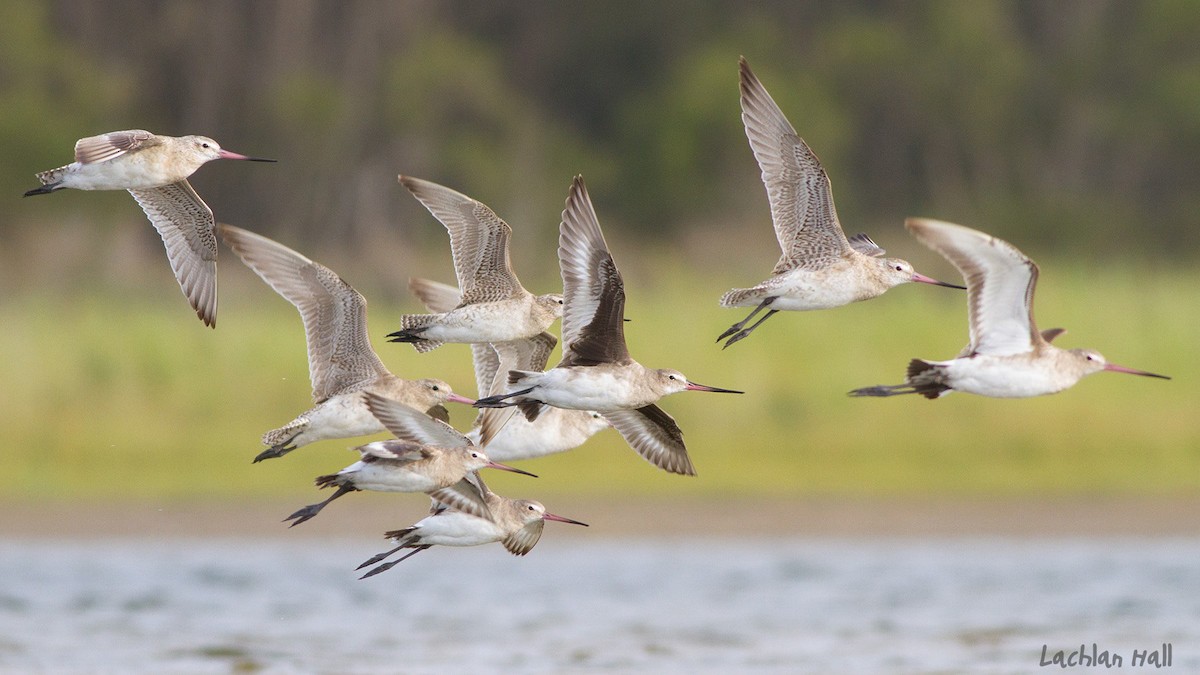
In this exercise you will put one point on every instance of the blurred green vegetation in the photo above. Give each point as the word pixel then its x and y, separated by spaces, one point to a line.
pixel 129 397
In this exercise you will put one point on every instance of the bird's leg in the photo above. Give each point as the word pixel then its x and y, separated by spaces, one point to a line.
pixel 279 449
pixel 387 566
pixel 313 509
pixel 738 326
pixel 742 334
pixel 884 390
pixel 500 400
pixel 42 190
pixel 379 556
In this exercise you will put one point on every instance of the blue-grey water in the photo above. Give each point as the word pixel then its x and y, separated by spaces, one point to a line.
pixel 579 605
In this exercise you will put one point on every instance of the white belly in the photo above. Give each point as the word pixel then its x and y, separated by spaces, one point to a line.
pixel 803 290
pixel 589 388
pixel 382 477
pixel 491 322
pixel 454 528
pixel 343 416
pixel 129 172
pixel 1005 377
pixel 555 430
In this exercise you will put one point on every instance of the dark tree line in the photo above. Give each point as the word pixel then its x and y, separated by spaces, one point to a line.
pixel 1049 121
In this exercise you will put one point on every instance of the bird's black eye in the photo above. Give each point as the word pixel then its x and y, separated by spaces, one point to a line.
pixel 899 268
pixel 204 145
pixel 435 388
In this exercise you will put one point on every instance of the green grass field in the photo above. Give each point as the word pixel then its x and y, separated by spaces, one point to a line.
pixel 130 397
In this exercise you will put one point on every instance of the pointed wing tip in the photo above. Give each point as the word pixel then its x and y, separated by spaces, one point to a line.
pixel 917 224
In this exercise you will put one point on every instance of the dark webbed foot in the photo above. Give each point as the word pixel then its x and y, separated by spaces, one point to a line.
pixel 378 557
pixel 736 330
pixel 275 451
pixel 387 566
pixel 312 510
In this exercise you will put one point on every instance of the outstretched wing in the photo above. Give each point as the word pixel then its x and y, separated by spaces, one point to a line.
pixel 478 240
pixel 1000 285
pixel 806 223
pixel 594 294
pixel 185 224
pixel 655 436
pixel 463 496
pixel 410 424
pixel 340 357
pixel 523 540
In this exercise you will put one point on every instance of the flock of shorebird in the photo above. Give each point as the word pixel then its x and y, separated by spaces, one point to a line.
pixel 525 410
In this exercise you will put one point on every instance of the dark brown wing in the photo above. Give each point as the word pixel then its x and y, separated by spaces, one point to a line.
pixel 655 436
pixel 593 291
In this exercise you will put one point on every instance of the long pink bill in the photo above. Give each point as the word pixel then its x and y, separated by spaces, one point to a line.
pixel 692 386
pixel 921 278
pixel 1122 369
pixel 505 467
pixel 551 516
pixel 460 399
pixel 225 154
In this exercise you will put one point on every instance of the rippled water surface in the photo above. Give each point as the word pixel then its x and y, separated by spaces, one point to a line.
pixel 682 606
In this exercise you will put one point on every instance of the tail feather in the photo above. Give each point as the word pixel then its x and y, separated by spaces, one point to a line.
pixel 923 377
pixel 411 327
pixel 410 321
pixel 399 534
pixel 531 409
pixel 50 180
pixel 328 480
pixel 519 376
pixel 285 434
pixel 927 379
pixel 742 297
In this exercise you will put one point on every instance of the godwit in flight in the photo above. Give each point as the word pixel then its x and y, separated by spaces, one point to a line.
pixel 154 169
pixel 427 456
pixel 555 429
pixel 516 523
pixel 341 363
pixel 1007 356
pixel 819 268
pixel 596 371
pixel 494 306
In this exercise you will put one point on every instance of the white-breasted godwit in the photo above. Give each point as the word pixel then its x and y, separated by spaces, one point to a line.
pixel 516 523
pixel 820 268
pixel 427 456
pixel 341 363
pixel 555 429
pixel 1007 356
pixel 596 371
pixel 494 306
pixel 154 169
